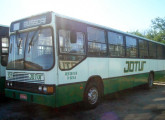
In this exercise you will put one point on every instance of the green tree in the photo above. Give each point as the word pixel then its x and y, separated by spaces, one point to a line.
pixel 137 33
pixel 156 32
pixel 158 24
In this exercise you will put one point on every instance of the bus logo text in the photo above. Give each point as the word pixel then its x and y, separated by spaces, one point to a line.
pixel 133 66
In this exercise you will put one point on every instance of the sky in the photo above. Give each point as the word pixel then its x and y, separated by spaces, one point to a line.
pixel 124 15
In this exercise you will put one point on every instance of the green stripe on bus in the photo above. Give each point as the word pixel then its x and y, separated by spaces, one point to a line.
pixel 69 94
pixel 160 76
pixel 112 85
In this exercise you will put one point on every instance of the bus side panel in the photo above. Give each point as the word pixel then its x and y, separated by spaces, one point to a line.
pixel 158 66
pixel 72 84
pixel 121 77
pixel 160 76
pixel 112 85
pixel 68 94
pixel 142 75
pixel 140 79
pixel 160 72
pixel 116 84
pixel 116 70
pixel 98 66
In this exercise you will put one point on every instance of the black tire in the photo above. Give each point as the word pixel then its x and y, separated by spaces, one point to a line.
pixel 150 81
pixel 92 95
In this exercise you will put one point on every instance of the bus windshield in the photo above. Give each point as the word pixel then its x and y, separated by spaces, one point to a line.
pixel 31 50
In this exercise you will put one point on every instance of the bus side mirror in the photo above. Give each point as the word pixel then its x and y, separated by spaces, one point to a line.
pixel 73 37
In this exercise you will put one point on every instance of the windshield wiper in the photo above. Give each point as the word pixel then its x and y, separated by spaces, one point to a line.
pixel 18 42
pixel 30 43
pixel 10 48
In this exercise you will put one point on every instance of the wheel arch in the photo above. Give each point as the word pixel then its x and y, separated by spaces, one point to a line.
pixel 98 79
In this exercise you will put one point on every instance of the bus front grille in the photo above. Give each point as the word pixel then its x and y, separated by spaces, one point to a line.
pixel 30 87
pixel 23 77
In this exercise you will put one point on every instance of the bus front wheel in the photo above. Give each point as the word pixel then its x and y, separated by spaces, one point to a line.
pixel 92 95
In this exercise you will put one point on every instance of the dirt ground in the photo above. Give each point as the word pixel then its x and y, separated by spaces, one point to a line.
pixel 131 104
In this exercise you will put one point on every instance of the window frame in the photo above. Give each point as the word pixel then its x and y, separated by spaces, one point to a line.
pixel 73 54
pixel 58 39
pixel 149 49
pixel 137 47
pixel 159 47
pixel 106 41
pixel 53 43
pixel 124 45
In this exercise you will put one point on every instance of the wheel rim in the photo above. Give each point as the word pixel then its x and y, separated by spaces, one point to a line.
pixel 93 95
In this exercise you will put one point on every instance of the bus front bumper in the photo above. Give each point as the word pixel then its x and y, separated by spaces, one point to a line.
pixel 48 100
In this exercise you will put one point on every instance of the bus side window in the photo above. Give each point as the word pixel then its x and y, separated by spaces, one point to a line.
pixel 4 50
pixel 163 51
pixel 96 42
pixel 131 47
pixel 71 53
pixel 143 49
pixel 116 44
pixel 159 51
pixel 152 50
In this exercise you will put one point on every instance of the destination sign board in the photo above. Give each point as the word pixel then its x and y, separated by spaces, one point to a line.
pixel 31 22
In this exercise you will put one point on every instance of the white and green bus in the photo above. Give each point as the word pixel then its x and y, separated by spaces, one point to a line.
pixel 4 43
pixel 56 60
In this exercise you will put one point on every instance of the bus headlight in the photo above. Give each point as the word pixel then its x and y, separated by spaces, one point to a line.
pixel 11 84
pixel 40 88
pixel 45 89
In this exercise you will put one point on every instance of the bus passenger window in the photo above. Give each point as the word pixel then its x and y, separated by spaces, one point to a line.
pixel 152 50
pixel 143 49
pixel 71 53
pixel 96 42
pixel 116 44
pixel 131 46
pixel 159 51
pixel 4 50
pixel 65 43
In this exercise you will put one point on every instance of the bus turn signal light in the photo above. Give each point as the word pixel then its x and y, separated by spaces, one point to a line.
pixel 50 89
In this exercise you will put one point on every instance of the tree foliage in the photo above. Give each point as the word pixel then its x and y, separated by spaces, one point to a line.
pixel 156 32
pixel 137 33
pixel 158 24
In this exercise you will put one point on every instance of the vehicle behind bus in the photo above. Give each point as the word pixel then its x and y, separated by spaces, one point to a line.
pixel 4 39
pixel 56 60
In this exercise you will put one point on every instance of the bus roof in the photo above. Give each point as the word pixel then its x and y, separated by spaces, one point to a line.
pixel 104 27
pixel 3 25
pixel 89 23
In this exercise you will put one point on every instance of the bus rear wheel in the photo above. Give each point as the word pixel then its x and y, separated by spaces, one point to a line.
pixel 150 81
pixel 92 96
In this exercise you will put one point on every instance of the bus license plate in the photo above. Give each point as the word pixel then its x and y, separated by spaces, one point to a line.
pixel 23 96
